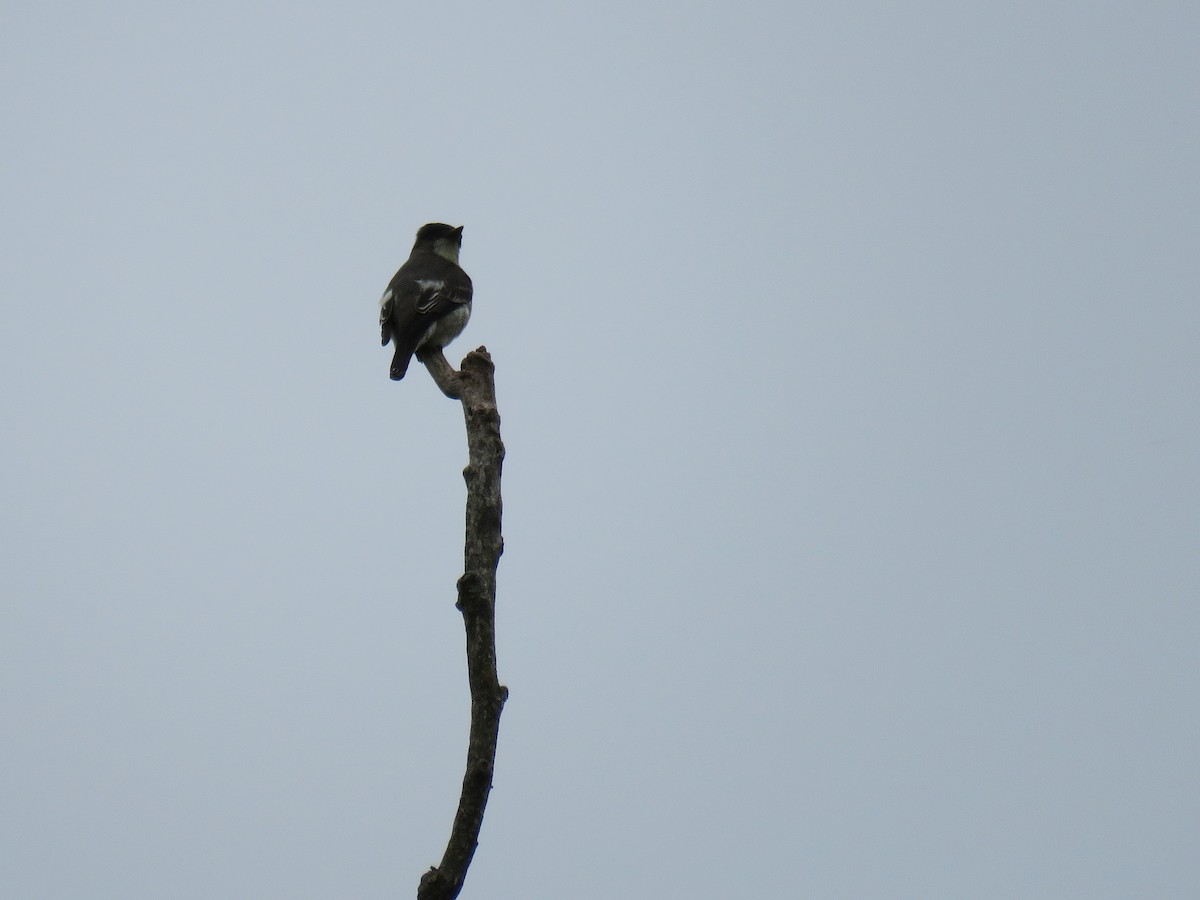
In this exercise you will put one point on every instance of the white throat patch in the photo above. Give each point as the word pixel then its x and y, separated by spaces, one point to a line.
pixel 446 249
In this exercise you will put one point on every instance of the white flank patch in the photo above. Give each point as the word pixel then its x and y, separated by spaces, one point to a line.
pixel 387 295
pixel 447 328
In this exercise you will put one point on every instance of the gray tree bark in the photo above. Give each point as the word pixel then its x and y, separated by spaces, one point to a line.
pixel 475 386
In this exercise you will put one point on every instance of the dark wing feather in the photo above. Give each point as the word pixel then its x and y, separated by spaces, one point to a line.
pixel 385 315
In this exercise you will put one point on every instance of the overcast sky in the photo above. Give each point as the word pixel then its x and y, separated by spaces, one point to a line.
pixel 847 357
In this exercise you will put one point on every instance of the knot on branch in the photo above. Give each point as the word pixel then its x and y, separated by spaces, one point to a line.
pixel 472 593
pixel 437 886
pixel 484 415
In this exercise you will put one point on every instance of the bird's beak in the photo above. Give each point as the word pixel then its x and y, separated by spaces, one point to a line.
pixel 458 232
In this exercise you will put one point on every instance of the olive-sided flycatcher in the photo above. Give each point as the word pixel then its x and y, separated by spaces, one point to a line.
pixel 428 301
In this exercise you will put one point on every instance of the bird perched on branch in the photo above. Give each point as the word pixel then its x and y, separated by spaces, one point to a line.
pixel 428 302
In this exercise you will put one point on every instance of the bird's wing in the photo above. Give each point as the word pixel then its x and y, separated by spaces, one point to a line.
pixel 415 300
pixel 385 315
pixel 437 297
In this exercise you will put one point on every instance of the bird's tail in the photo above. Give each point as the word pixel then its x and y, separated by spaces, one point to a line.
pixel 400 361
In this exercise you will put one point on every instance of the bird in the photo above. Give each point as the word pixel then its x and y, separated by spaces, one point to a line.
pixel 428 301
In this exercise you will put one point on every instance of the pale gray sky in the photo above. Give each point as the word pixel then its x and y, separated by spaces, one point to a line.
pixel 847 360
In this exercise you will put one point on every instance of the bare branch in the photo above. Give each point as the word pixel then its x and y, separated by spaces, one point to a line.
pixel 475 386
pixel 443 373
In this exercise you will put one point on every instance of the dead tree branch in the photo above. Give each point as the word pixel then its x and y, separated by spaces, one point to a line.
pixel 475 386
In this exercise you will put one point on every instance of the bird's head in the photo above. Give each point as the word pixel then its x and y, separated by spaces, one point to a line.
pixel 443 240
